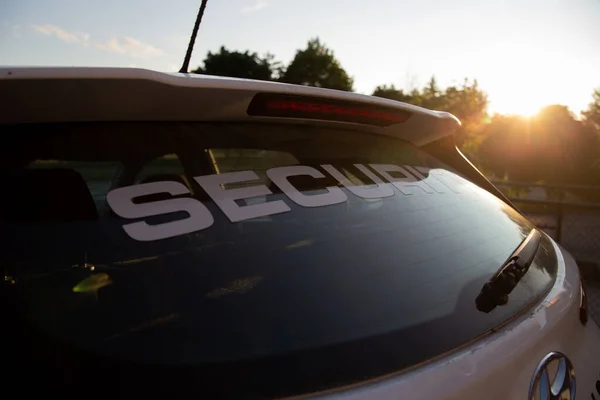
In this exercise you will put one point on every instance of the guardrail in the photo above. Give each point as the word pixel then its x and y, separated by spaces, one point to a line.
pixel 572 223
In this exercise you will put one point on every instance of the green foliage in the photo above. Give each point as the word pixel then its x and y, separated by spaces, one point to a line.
pixel 592 114
pixel 390 92
pixel 239 65
pixel 552 147
pixel 317 66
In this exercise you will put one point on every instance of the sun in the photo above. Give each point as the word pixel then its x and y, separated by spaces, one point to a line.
pixel 523 107
pixel 520 97
pixel 526 78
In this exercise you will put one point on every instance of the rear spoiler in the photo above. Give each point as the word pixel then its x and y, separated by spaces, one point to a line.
pixel 69 94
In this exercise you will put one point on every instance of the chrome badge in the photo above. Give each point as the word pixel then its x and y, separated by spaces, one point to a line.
pixel 553 379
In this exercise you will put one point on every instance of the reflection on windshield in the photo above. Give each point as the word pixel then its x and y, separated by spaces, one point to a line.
pixel 93 283
pixel 239 286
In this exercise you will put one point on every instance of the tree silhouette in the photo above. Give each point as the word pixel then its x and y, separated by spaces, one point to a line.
pixel 239 65
pixel 392 93
pixel 317 66
pixel 592 114
pixel 552 147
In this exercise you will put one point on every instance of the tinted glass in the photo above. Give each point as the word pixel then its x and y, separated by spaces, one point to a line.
pixel 178 253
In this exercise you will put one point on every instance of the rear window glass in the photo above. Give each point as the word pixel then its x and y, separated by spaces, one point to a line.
pixel 291 258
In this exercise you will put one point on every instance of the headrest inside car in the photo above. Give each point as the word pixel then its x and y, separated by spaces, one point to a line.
pixel 164 177
pixel 46 195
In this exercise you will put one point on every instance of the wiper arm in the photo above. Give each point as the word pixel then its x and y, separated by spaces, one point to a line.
pixel 495 291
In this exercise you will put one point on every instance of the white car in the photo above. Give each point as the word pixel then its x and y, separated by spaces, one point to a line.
pixel 186 236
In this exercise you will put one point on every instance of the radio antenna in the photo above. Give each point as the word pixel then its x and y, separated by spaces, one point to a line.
pixel 188 54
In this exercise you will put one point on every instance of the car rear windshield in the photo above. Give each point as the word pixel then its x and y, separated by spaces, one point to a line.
pixel 246 260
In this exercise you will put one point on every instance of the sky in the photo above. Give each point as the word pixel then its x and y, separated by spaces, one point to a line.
pixel 524 53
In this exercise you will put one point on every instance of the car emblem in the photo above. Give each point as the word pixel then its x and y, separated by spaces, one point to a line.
pixel 545 385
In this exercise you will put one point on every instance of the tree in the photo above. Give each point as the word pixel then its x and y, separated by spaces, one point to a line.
pixel 317 66
pixel 390 92
pixel 239 65
pixel 468 102
pixel 592 114
pixel 592 121
pixel 552 147
pixel 431 96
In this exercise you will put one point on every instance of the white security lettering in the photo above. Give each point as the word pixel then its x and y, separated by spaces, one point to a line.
pixel 199 217
pixel 279 176
pixel 429 180
pixel 433 176
pixel 405 184
pixel 377 191
pixel 225 199
pixel 121 202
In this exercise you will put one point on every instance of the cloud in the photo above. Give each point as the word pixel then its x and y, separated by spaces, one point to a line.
pixel 122 45
pixel 62 34
pixel 258 5
pixel 131 47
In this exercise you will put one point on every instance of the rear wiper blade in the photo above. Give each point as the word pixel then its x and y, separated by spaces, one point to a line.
pixel 495 291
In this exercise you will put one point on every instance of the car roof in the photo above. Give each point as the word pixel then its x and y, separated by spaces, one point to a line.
pixel 85 94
